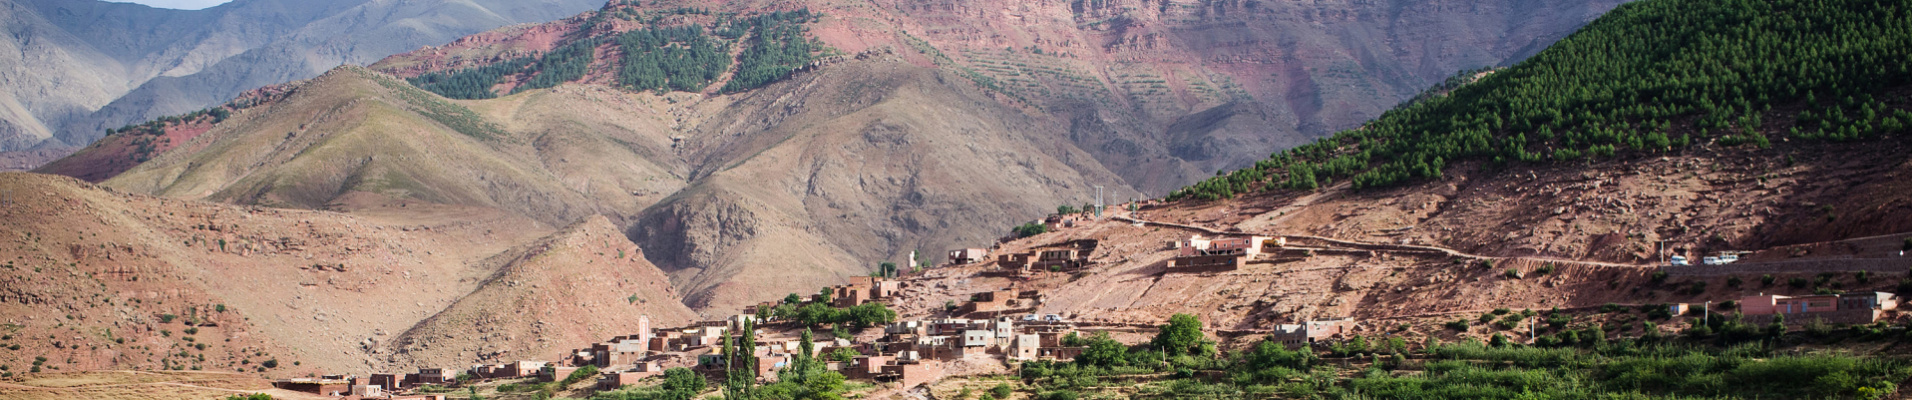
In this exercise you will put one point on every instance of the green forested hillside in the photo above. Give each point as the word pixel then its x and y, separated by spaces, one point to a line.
pixel 1650 76
pixel 658 57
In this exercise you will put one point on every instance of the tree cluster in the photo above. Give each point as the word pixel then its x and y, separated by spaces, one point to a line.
pixel 470 83
pixel 674 58
pixel 563 64
pixel 777 46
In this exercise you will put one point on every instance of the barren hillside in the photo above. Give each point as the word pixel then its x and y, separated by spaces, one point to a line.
pixel 104 280
pixel 578 286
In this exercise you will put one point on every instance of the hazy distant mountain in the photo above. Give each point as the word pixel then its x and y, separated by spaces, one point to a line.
pixel 72 68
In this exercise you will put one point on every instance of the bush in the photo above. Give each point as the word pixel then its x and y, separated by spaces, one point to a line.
pixel 272 363
pixel 1659 277
pixel 1063 394
pixel 1544 269
pixel 1001 391
pixel 1659 311
pixel 254 396
pixel 1030 229
pixel 1488 264
pixel 1697 288
pixel 1798 283
pixel 1862 276
pixel 1511 274
pixel 1766 280
pixel 1612 308
pixel 1458 325
pixel 1733 282
pixel 587 372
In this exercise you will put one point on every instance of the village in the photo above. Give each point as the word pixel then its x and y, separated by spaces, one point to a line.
pixel 852 330
pixel 990 331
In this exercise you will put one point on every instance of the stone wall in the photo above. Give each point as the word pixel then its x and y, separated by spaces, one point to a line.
pixel 1895 264
pixel 1841 317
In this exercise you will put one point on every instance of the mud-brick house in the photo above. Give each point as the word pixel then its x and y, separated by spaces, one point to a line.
pixel 1310 332
pixel 968 256
pixel 387 381
pixel 1221 254
pixel 1025 347
pixel 520 369
pixel 435 376
pixel 863 289
pixel 990 302
pixel 1059 353
pixel 1015 261
pixel 909 374
pixel 322 387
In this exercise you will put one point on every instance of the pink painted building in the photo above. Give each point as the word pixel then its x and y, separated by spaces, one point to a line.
pixel 1849 308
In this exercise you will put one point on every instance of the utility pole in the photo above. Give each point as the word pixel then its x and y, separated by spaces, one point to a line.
pixel 1706 314
pixel 1663 260
pixel 1098 200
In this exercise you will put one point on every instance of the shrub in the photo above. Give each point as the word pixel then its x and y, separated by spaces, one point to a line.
pixel 1659 311
pixel 1458 325
pixel 1511 274
pixel 1862 276
pixel 1611 308
pixel 167 318
pixel 1488 264
pixel 272 363
pixel 587 372
pixel 1733 282
pixel 1798 283
pixel 1001 391
pixel 1501 311
pixel 1766 280
pixel 254 396
pixel 1063 394
pixel 1907 246
pixel 1544 269
pixel 1030 229
pixel 1659 277
pixel 1697 288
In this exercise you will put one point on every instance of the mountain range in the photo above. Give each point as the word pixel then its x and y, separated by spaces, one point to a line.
pixel 74 68
pixel 963 118
pixel 525 190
